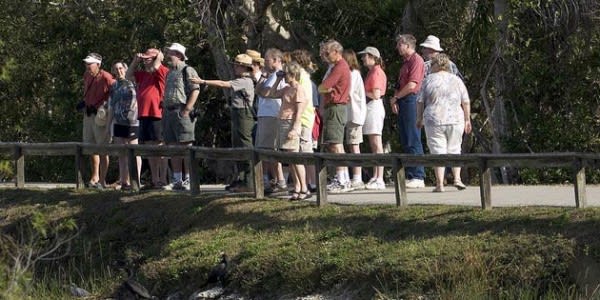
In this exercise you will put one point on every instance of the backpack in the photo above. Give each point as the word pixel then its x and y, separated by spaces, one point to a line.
pixel 196 112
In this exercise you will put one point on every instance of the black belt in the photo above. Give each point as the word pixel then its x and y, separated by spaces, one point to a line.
pixel 174 107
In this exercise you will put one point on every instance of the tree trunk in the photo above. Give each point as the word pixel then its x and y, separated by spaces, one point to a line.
pixel 498 119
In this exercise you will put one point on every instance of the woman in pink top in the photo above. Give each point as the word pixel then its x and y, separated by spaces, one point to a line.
pixel 293 103
pixel 375 85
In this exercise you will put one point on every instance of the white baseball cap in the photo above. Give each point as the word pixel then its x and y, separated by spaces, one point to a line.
pixel 93 58
pixel 371 50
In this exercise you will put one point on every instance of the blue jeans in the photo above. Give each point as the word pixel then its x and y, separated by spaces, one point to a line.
pixel 410 135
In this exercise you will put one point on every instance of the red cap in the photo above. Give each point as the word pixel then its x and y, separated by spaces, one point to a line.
pixel 150 53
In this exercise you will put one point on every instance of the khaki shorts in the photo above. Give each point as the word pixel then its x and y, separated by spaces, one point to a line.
pixel 334 123
pixel 285 126
pixel 93 133
pixel 177 128
pixel 266 132
pixel 306 141
pixel 354 135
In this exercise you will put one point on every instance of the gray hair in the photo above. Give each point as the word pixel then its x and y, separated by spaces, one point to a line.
pixel 407 39
pixel 333 45
pixel 276 53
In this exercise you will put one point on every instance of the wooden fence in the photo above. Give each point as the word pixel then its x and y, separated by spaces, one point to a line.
pixel 483 162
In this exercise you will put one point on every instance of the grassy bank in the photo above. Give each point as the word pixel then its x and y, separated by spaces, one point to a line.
pixel 281 249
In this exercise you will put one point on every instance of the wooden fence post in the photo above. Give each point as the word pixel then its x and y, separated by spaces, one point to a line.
pixel 579 180
pixel 134 176
pixel 79 167
pixel 19 159
pixel 485 183
pixel 257 172
pixel 321 170
pixel 399 183
pixel 194 169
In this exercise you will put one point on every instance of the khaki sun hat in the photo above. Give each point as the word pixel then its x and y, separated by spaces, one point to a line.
pixel 255 56
pixel 243 60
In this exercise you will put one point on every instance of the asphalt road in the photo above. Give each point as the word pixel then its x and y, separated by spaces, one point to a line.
pixel 502 195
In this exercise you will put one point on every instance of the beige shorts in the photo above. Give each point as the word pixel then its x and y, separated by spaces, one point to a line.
pixel 445 139
pixel 266 132
pixel 93 133
pixel 306 141
pixel 285 126
pixel 353 134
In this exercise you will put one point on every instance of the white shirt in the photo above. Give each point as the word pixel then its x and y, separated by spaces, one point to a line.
pixel 443 94
pixel 357 107
pixel 269 107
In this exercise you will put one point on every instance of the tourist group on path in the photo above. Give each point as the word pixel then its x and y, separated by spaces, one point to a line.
pixel 276 105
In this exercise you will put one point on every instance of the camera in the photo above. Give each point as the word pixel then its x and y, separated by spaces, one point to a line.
pixel 280 73
pixel 194 114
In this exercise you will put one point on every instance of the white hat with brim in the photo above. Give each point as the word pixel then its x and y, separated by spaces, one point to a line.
pixel 91 59
pixel 370 50
pixel 179 48
pixel 432 42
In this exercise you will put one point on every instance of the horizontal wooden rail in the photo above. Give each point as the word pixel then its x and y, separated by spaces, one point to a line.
pixel 484 162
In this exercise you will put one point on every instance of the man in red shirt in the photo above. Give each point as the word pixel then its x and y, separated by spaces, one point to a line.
pixel 404 104
pixel 150 81
pixel 96 88
pixel 335 89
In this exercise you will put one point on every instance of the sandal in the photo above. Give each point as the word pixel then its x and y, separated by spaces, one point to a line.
pixel 95 185
pixel 295 196
pixel 304 195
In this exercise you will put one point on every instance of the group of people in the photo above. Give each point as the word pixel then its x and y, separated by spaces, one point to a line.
pixel 276 105
pixel 144 102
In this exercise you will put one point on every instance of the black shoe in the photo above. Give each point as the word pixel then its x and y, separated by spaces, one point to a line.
pixel 234 184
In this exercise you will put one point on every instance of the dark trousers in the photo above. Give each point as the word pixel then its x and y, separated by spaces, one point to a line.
pixel 242 122
pixel 410 135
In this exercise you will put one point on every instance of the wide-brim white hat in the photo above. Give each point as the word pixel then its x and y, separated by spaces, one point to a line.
pixel 432 42
pixel 179 48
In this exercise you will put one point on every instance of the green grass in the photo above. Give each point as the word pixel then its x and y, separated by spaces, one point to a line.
pixel 281 249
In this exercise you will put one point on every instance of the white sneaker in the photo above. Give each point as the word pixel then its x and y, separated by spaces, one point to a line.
pixel 415 184
pixel 182 185
pixel 357 185
pixel 336 187
pixel 376 185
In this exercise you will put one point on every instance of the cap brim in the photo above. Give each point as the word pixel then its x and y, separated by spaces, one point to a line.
pixel 91 60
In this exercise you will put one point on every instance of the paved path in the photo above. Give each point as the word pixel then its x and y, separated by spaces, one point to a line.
pixel 502 195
